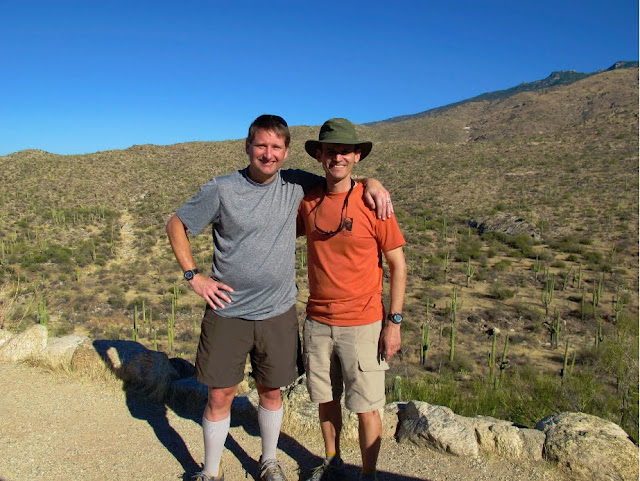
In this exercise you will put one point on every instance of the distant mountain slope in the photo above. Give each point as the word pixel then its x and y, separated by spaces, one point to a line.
pixel 566 77
pixel 594 102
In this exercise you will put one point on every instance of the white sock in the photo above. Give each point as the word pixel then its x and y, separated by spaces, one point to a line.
pixel 269 422
pixel 215 435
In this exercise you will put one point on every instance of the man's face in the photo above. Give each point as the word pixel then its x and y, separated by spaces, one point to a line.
pixel 338 160
pixel 267 152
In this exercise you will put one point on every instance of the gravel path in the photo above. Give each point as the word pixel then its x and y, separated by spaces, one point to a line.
pixel 58 427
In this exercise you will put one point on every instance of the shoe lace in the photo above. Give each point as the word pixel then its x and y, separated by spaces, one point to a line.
pixel 201 476
pixel 318 472
pixel 271 471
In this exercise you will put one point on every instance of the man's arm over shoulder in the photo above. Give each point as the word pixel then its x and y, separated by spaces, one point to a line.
pixel 390 339
pixel 375 196
pixel 306 180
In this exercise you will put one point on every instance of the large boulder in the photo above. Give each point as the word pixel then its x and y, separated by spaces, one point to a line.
pixel 26 345
pixel 60 350
pixel 438 428
pixel 506 439
pixel 4 336
pixel 589 447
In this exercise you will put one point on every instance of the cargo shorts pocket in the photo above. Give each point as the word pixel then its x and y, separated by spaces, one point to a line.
pixel 369 359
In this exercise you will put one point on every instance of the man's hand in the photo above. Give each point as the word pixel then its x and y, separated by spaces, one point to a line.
pixel 214 292
pixel 378 198
pixel 390 341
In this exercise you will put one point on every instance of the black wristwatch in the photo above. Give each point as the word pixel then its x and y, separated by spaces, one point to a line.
pixel 190 274
pixel 395 318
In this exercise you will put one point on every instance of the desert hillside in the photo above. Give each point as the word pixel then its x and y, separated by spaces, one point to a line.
pixel 521 216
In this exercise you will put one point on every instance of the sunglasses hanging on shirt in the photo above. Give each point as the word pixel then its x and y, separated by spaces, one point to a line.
pixel 343 212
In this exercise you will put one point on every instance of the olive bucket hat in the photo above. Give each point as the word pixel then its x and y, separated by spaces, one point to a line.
pixel 338 131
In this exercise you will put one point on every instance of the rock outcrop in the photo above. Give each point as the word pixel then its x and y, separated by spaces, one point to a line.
pixel 589 447
pixel 586 446
pixel 501 222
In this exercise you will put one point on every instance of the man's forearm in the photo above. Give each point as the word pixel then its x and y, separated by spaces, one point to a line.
pixel 398 280
pixel 180 244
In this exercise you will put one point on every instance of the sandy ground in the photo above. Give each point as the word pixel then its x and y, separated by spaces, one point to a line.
pixel 56 426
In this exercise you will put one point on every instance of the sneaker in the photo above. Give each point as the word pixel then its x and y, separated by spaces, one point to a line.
pixel 202 476
pixel 329 471
pixel 270 470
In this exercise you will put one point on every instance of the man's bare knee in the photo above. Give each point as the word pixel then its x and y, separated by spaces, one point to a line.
pixel 270 397
pixel 219 402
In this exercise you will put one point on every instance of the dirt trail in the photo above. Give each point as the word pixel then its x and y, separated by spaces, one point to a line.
pixel 58 427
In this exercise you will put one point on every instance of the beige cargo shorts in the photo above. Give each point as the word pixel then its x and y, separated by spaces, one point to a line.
pixel 345 359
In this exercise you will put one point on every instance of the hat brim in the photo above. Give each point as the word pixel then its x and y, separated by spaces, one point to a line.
pixel 312 145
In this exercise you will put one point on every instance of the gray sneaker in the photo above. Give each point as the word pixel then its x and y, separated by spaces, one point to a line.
pixel 329 471
pixel 202 476
pixel 270 470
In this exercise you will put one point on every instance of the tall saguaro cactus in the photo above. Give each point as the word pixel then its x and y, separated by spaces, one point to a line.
pixel 547 294
pixel 471 270
pixel 454 307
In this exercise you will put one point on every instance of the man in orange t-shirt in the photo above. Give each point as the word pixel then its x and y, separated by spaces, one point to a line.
pixel 347 339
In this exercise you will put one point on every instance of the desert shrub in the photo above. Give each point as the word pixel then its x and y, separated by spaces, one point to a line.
pixel 499 291
pixel 502 265
pixel 468 247
pixel 116 297
pixel 593 257
pixel 569 244
pixel 527 312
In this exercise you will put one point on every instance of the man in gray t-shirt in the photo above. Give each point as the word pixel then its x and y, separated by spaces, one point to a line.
pixel 251 291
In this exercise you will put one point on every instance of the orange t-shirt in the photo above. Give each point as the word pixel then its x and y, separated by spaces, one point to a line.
pixel 345 269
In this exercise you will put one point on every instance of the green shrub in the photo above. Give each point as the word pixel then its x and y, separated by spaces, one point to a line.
pixel 502 265
pixel 499 291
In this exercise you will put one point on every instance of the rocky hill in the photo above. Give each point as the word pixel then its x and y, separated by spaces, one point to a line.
pixel 554 79
pixel 83 248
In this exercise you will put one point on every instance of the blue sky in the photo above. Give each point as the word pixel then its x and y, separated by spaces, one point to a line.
pixel 86 76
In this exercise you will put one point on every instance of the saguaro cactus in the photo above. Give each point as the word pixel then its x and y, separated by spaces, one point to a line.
pixel 471 270
pixel 492 358
pixel 547 294
pixel 424 343
pixel 454 307
pixel 504 362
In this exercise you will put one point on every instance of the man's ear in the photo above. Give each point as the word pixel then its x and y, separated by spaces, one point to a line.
pixel 318 153
pixel 246 145
pixel 357 153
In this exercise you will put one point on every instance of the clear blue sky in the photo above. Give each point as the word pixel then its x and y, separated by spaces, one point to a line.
pixel 85 76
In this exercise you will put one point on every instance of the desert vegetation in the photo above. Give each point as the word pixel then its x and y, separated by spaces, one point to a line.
pixel 521 221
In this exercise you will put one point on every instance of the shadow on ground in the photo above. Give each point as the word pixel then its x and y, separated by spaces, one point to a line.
pixel 243 414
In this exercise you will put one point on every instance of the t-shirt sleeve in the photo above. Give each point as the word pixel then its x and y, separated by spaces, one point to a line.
pixel 303 178
pixel 202 209
pixel 389 234
pixel 300 229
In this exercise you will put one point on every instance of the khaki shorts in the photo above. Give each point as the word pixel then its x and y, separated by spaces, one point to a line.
pixel 273 345
pixel 336 356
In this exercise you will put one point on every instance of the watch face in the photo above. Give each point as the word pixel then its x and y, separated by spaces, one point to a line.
pixel 395 318
pixel 189 275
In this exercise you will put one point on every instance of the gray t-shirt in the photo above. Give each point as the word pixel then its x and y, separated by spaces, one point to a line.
pixel 254 233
